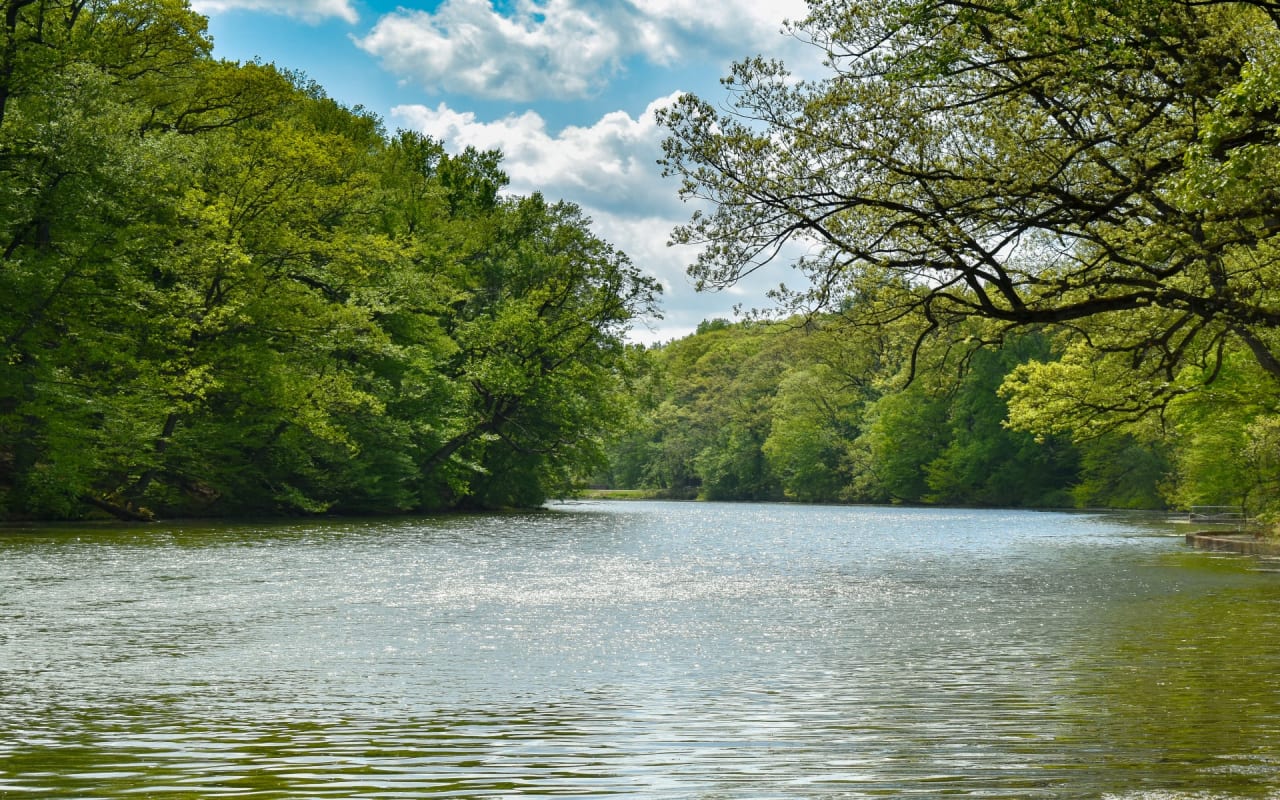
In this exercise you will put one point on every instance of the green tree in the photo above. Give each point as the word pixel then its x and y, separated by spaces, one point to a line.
pixel 1222 439
pixel 706 413
pixel 804 410
pixel 986 463
pixel 1097 166
pixel 1201 448
pixel 540 356
pixel 222 292
pixel 87 191
pixel 1120 470
pixel 905 432
pixel 812 422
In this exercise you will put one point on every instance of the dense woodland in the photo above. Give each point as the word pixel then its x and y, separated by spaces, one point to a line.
pixel 812 410
pixel 1076 202
pixel 1039 240
pixel 223 293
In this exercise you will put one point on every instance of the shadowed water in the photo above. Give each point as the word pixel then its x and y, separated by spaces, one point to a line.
pixel 639 649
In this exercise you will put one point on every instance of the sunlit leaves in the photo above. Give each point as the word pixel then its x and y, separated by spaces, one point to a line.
pixel 1033 163
pixel 223 292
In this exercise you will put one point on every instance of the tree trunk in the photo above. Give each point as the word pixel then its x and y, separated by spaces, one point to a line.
pixel 118 511
pixel 141 485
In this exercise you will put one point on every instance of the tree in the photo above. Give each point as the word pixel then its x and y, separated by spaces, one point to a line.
pixel 87 191
pixel 986 463
pixel 542 306
pixel 905 432
pixel 802 409
pixel 222 292
pixel 1102 167
pixel 704 414
pixel 814 417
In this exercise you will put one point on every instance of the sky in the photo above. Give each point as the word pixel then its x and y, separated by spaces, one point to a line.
pixel 566 89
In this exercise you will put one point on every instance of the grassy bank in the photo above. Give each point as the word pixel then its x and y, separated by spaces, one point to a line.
pixel 618 494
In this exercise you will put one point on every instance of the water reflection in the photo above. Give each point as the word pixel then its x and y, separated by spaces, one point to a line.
pixel 531 751
pixel 1182 684
pixel 648 650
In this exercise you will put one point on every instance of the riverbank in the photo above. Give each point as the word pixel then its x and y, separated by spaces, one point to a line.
pixel 1243 543
pixel 617 494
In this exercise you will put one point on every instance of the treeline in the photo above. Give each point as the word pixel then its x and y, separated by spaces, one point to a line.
pixel 223 293
pixel 1100 173
pixel 821 410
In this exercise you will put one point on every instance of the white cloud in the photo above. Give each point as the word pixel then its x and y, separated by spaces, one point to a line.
pixel 610 170
pixel 609 166
pixel 307 10
pixel 738 26
pixel 466 46
pixel 644 239
pixel 564 48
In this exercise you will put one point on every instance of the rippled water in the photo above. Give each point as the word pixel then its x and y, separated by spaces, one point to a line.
pixel 639 649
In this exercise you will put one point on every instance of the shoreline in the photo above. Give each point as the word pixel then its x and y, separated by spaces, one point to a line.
pixel 1242 543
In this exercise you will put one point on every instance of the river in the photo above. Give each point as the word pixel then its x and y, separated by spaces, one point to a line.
pixel 647 649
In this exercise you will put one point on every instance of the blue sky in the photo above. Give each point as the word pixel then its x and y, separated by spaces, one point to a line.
pixel 565 88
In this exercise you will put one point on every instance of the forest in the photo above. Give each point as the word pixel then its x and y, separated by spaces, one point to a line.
pixel 1038 243
pixel 222 293
pixel 815 410
pixel 1060 212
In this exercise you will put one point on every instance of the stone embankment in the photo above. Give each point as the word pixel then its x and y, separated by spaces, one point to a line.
pixel 1245 543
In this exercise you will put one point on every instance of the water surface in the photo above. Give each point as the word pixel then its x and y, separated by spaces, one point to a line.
pixel 660 650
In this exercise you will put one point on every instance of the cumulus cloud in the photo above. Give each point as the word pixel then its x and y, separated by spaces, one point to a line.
pixel 468 47
pixel 609 169
pixel 610 166
pixel 307 10
pixel 562 49
pixel 736 27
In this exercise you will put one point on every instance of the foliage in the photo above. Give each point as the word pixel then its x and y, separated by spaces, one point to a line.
pixel 1209 443
pixel 1104 168
pixel 704 417
pixel 839 425
pixel 1098 174
pixel 984 461
pixel 221 292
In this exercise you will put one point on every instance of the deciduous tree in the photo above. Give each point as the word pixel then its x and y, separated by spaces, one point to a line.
pixel 1106 168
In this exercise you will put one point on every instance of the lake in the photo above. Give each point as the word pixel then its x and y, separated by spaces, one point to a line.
pixel 645 649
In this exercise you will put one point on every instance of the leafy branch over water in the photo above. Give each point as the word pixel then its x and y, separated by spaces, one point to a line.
pixel 1100 173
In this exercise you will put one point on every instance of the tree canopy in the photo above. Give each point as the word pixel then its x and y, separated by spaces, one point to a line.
pixel 802 410
pixel 222 292
pixel 1104 168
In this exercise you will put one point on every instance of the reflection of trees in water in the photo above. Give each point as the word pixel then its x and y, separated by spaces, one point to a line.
pixel 1179 692
pixel 142 749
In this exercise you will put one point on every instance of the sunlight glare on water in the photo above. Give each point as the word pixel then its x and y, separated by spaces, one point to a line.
pixel 639 649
